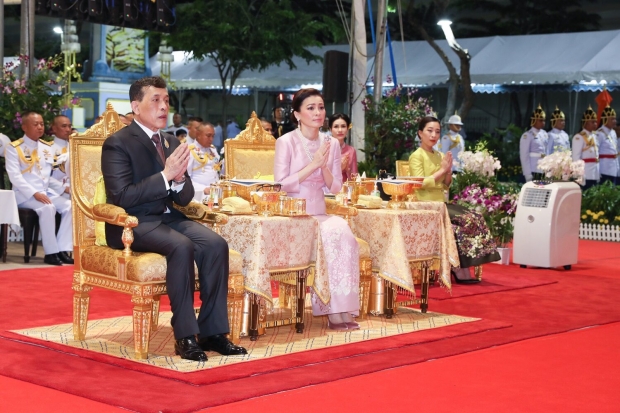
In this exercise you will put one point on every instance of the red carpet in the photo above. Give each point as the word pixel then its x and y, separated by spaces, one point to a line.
pixel 495 278
pixel 529 376
pixel 579 298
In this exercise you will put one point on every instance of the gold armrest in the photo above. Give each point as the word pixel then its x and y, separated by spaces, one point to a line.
pixel 199 212
pixel 114 215
pixel 334 208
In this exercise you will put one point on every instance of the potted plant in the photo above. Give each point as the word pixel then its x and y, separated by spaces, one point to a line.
pixel 559 166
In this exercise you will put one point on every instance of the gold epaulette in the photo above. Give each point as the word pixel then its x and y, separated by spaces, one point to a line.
pixel 524 135
pixel 18 142
pixel 191 147
pixel 182 140
pixel 212 146
pixel 584 134
pixel 46 142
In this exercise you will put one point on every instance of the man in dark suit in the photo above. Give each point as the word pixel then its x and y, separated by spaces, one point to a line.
pixel 145 171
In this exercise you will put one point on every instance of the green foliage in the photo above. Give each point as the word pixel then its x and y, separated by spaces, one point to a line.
pixel 504 143
pixel 391 129
pixel 38 93
pixel 600 204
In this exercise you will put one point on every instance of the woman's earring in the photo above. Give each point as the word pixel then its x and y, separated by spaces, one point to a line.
pixel 298 123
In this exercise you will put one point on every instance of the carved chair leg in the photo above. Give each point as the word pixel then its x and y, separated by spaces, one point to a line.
pixel 81 300
pixel 155 313
pixel 425 282
pixel 254 310
pixel 142 319
pixel 390 299
pixel 478 272
pixel 365 280
pixel 235 306
pixel 301 300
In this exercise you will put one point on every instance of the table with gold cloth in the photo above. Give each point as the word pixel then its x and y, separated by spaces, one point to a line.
pixel 278 248
pixel 420 237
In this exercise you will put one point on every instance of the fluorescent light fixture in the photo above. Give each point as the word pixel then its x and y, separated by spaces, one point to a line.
pixel 57 30
pixel 447 31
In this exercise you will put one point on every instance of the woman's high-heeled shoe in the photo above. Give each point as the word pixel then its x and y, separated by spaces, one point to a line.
pixel 337 326
pixel 461 281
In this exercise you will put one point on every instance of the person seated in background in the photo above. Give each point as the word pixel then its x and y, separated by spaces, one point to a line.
pixel 129 117
pixel 267 126
pixel 204 162
pixel 558 138
pixel 306 161
pixel 437 170
pixel 61 129
pixel 339 125
pixel 192 123
pixel 453 141
pixel 181 134
pixel 29 163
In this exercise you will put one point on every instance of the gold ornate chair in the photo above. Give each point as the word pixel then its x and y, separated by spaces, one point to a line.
pixel 141 275
pixel 250 153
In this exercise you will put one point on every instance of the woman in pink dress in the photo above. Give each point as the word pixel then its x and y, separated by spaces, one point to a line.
pixel 339 125
pixel 306 162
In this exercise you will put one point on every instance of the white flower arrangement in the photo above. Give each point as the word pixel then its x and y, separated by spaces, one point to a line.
pixel 481 163
pixel 560 166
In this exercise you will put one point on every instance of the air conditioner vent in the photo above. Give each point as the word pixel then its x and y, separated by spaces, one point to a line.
pixel 536 197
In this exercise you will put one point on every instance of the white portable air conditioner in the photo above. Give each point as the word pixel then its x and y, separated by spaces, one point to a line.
pixel 547 225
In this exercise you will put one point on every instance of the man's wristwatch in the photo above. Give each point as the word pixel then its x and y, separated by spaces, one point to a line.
pixel 179 182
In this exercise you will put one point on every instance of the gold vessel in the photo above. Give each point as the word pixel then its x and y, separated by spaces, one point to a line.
pixel 398 192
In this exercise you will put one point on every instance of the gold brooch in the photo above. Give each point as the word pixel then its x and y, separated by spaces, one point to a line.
pixel 166 143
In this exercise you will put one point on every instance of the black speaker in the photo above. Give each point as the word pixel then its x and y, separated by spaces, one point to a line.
pixel 335 76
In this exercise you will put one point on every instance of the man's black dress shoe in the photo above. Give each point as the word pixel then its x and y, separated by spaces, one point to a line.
pixel 188 349
pixel 52 259
pixel 222 345
pixel 65 258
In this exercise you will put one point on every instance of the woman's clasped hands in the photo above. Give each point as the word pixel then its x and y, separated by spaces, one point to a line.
pixel 320 157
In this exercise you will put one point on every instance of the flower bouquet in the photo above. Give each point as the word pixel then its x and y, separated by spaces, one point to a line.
pixel 478 168
pixel 498 210
pixel 559 166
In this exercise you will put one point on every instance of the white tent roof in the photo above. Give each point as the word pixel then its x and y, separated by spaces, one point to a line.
pixel 564 58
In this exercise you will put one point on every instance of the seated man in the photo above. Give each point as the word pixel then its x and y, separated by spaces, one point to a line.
pixel 204 162
pixel 145 171
pixel 181 134
pixel 29 163
pixel 61 128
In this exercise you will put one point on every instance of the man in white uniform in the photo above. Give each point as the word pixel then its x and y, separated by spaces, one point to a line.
pixel 453 141
pixel 558 138
pixel 192 124
pixel 29 163
pixel 608 147
pixel 586 148
pixel 61 129
pixel 533 145
pixel 204 162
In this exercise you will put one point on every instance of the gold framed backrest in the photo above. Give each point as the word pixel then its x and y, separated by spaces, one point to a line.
pixel 251 152
pixel 85 172
pixel 402 168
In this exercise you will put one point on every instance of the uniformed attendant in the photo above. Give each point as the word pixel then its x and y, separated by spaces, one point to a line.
pixel 608 147
pixel 193 123
pixel 558 139
pixel 204 162
pixel 29 163
pixel 61 129
pixel 453 142
pixel 4 142
pixel 586 148
pixel 533 145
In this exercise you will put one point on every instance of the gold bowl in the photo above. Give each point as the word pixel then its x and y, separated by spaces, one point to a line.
pixel 244 191
pixel 267 202
pixel 398 192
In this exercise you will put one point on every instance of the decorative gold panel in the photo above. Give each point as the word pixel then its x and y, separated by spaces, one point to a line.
pixel 251 152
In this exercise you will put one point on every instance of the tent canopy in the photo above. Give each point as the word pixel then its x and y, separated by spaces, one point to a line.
pixel 587 58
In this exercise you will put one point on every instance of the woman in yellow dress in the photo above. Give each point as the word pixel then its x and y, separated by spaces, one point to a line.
pixel 474 241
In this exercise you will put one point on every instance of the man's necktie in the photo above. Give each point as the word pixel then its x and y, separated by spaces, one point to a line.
pixel 160 150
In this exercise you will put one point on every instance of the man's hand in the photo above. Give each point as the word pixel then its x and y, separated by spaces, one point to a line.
pixel 67 190
pixel 176 164
pixel 41 197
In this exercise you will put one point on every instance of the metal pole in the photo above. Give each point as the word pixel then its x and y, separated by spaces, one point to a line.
pixel 2 33
pixel 27 35
pixel 381 26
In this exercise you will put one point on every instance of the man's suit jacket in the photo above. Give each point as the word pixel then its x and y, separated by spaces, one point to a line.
pixel 131 170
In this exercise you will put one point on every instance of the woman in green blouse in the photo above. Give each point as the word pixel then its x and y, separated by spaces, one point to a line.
pixel 474 241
